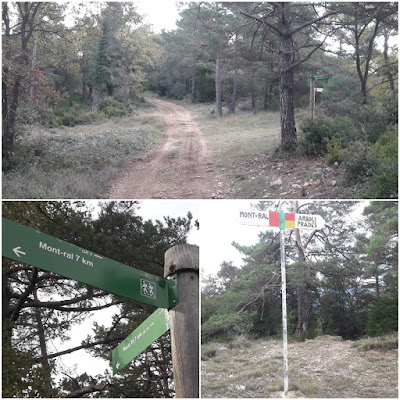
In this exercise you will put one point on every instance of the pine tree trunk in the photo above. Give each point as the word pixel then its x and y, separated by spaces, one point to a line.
pixel 288 124
pixel 386 58
pixel 9 119
pixel 95 99
pixel 286 52
pixel 43 348
pixel 234 91
pixel 194 83
pixel 252 89
pixel 218 86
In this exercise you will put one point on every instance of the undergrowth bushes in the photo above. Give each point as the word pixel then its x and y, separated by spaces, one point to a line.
pixel 365 144
pixel 76 162
pixel 73 111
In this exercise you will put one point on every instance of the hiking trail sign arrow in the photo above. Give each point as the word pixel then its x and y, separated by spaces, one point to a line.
pixel 43 251
pixel 281 220
pixel 142 337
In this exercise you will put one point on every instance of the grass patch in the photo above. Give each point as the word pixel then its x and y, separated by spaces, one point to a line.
pixel 209 350
pixel 80 161
pixel 386 342
pixel 238 135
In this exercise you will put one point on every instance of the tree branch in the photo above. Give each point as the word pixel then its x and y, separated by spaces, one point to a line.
pixel 83 346
pixel 88 389
pixel 308 23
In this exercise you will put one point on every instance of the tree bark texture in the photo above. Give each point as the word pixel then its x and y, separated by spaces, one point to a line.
pixel 218 86
pixel 194 83
pixel 286 53
pixel 184 319
pixel 235 83
pixel 386 58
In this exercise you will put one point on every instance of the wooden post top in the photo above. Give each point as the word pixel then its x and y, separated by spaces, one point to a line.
pixel 181 257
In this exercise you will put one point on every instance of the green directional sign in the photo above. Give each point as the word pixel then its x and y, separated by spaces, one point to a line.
pixel 143 336
pixel 40 250
pixel 316 78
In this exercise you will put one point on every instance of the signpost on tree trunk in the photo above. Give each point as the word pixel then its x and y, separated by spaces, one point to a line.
pixel 176 294
pixel 282 221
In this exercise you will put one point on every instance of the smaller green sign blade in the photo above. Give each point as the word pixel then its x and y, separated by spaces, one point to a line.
pixel 143 336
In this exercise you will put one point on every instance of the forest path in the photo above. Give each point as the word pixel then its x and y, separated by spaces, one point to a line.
pixel 181 167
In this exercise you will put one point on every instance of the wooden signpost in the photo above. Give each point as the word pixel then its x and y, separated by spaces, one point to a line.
pixel 180 281
pixel 313 91
pixel 282 221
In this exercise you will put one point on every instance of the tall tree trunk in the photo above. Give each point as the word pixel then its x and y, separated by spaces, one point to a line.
pixel 194 83
pixel 9 115
pixel 234 90
pixel 33 65
pixel 386 58
pixel 9 120
pixel 253 90
pixel 126 86
pixel 218 86
pixel 286 52
pixel 83 91
pixel 95 99
pixel 43 348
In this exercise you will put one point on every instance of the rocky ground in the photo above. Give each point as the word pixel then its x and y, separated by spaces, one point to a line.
pixel 325 367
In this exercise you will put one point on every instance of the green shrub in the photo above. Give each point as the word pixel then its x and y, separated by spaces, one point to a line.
pixel 67 119
pixel 382 316
pixel 318 135
pixel 358 161
pixel 383 182
pixel 113 112
pixel 333 149
pixel 108 102
pixel 225 326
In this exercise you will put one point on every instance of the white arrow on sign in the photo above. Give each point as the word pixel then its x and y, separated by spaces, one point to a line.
pixel 118 364
pixel 18 252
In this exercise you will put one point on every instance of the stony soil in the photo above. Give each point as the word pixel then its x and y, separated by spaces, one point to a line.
pixel 323 367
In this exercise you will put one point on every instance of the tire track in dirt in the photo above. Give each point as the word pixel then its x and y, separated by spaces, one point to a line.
pixel 179 168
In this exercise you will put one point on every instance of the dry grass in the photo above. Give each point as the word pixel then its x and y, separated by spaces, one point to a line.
pixel 236 135
pixel 78 162
pixel 325 367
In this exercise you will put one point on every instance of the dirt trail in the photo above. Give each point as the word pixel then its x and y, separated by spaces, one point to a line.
pixel 180 168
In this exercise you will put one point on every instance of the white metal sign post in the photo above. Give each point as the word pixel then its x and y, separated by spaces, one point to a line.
pixel 284 316
pixel 282 220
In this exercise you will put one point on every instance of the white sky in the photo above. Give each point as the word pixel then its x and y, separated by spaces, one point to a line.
pixel 162 14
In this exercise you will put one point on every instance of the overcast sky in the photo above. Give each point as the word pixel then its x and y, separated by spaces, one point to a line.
pixel 162 14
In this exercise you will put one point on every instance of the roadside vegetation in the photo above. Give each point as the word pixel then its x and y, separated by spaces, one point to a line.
pixel 79 161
